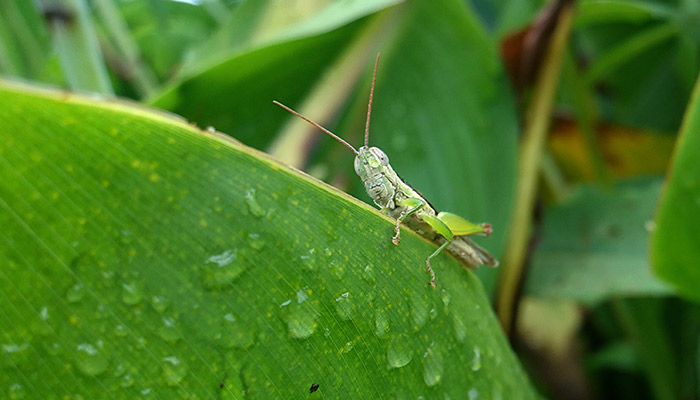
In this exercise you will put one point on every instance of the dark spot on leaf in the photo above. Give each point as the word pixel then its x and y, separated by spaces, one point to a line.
pixel 314 387
pixel 221 385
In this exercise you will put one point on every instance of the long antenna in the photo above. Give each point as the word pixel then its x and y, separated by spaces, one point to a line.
pixel 336 137
pixel 371 95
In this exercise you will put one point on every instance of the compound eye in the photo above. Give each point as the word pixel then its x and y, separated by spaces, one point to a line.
pixel 381 156
pixel 357 165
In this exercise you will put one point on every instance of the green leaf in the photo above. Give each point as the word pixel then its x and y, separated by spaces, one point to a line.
pixel 143 256
pixel 592 12
pixel 595 246
pixel 674 247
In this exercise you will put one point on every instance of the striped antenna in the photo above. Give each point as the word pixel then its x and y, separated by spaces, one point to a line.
pixel 371 95
pixel 336 137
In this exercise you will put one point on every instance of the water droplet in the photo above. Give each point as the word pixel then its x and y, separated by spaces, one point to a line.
pixel 433 313
pixel 91 359
pixel 460 328
pixel 108 278
pixel 445 296
pixel 42 325
pixel 432 366
pixel 234 333
pixel 159 303
pixel 255 241
pixel 173 370
pixel 16 391
pixel 347 348
pixel 126 236
pixel 119 370
pixel 168 330
pixel 120 330
pixel 76 293
pixel 15 354
pixel 337 269
pixel 301 296
pixel 381 323
pixel 473 394
pixel 222 269
pixel 419 311
pixel 54 348
pixel 343 306
pixel 301 317
pixel 308 261
pixel 131 294
pixel 368 275
pixel 253 206
pixel 126 381
pixel 44 313
pixel 476 361
pixel 399 351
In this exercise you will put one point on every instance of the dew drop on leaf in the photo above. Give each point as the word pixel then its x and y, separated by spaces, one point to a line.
pixel 460 328
pixel 343 306
pixel 255 241
pixel 131 294
pixel 308 260
pixel 432 366
pixel 253 206
pixel 91 359
pixel 173 370
pixel 399 351
pixel 337 270
pixel 476 361
pixel 126 381
pixel 368 275
pixel 234 333
pixel 221 270
pixel 159 303
pixel 445 296
pixel 301 316
pixel 75 293
pixel 16 391
pixel 419 311
pixel 169 331
pixel 381 323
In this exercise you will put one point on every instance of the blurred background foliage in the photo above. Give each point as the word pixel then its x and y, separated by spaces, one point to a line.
pixel 601 298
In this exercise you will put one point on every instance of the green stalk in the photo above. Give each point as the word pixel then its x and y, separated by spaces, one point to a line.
pixel 537 123
pixel 79 52
pixel 586 116
pixel 642 321
pixel 29 55
pixel 117 31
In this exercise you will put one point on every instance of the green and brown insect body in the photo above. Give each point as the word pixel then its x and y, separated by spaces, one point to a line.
pixel 396 198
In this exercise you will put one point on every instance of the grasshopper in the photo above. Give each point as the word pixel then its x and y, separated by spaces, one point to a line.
pixel 406 205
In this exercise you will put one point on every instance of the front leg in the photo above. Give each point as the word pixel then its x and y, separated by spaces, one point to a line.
pixel 412 205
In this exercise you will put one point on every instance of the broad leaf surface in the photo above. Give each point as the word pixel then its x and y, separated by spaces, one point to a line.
pixel 141 256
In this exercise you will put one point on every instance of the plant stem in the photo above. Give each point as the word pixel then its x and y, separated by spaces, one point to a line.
pixel 537 123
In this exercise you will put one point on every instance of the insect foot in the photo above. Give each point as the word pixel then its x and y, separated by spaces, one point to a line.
pixel 429 269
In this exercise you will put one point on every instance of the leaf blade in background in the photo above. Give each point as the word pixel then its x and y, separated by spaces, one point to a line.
pixel 674 250
pixel 144 256
pixel 594 246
